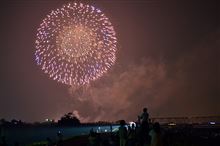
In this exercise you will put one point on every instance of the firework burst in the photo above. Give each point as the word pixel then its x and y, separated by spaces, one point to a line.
pixel 75 44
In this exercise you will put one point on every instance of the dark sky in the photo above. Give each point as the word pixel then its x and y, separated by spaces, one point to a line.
pixel 167 60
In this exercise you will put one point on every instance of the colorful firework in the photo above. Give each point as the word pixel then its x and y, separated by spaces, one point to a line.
pixel 76 44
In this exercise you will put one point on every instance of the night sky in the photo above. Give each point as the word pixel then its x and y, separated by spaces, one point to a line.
pixel 167 60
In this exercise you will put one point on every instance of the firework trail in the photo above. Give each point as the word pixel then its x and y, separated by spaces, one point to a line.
pixel 75 44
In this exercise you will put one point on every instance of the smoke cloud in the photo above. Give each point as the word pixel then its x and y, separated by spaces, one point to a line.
pixel 167 89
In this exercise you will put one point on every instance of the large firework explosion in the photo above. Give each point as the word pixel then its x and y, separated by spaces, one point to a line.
pixel 75 44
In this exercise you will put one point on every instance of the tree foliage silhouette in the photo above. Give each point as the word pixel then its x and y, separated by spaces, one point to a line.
pixel 69 120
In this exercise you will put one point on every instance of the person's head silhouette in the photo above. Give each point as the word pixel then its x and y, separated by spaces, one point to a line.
pixel 122 122
pixel 145 110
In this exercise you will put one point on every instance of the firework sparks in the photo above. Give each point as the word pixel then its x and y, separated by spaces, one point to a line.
pixel 76 44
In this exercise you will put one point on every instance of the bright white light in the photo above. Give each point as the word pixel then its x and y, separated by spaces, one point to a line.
pixel 212 123
pixel 172 124
pixel 130 124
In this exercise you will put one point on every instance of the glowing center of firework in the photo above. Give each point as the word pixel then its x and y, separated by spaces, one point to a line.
pixel 76 41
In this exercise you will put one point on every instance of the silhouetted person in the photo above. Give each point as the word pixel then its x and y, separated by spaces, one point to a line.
pixel 122 133
pixel 144 117
pixel 60 139
pixel 144 128
pixel 155 134
pixel 131 135
pixel 92 138
pixel 111 128
pixel 139 136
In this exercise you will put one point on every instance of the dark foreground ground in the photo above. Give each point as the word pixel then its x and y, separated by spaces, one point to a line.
pixel 172 136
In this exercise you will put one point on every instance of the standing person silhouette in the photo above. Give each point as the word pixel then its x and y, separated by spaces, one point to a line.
pixel 156 136
pixel 144 117
pixel 144 127
pixel 122 133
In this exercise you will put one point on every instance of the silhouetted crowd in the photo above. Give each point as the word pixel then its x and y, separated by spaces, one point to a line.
pixel 146 133
pixel 141 133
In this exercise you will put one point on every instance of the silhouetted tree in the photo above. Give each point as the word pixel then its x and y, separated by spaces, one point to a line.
pixel 14 121
pixel 69 120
